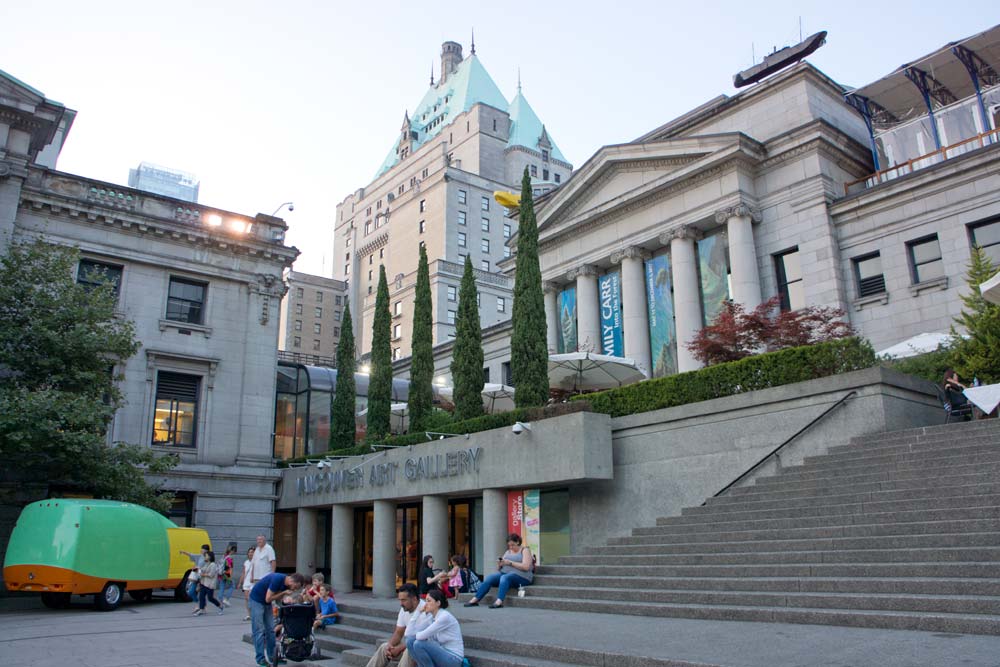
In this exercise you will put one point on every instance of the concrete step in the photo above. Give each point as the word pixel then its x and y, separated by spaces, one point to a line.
pixel 923 570
pixel 788 481
pixel 900 452
pixel 329 653
pixel 897 462
pixel 954 430
pixel 916 443
pixel 926 621
pixel 849 452
pixel 946 479
pixel 821 532
pixel 894 585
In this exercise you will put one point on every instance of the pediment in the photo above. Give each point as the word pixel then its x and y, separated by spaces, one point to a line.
pixel 14 93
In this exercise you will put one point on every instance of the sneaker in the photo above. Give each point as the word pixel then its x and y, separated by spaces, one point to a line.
pixel 225 602
pixel 221 609
pixel 198 612
pixel 246 618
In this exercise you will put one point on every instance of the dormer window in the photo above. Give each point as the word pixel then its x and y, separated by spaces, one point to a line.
pixel 545 155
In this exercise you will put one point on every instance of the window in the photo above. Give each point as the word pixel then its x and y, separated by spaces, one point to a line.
pixel 298 309
pixel 868 274
pixel 297 342
pixel 478 300
pixel 461 217
pixel 176 411
pixel 452 293
pixel 298 325
pixel 501 304
pixel 378 204
pixel 486 376
pixel 545 174
pixel 317 328
pixel 336 332
pixel 558 177
pixel 186 301
pixel 506 251
pixel 423 226
pixel 484 265
pixel 461 240
pixel 987 237
pixel 347 244
pixel 336 315
pixel 92 274
pixel 925 259
pixel 534 170
pixel 371 259
pixel 789 274
pixel 319 312
pixel 369 211
pixel 299 292
pixel 347 269
pixel 337 299
pixel 397 308
pixel 381 253
pixel 397 353
pixel 423 174
pixel 506 230
pixel 397 332
pixel 545 155
pixel 486 203
pixel 368 227
pixel 462 196
pixel 402 188
pixel 484 245
pixel 369 275
pixel 319 297
pixel 423 205
pixel 508 377
pixel 451 316
pixel 494 124
pixel 485 224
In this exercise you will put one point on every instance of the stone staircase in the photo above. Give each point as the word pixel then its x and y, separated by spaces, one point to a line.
pixel 900 530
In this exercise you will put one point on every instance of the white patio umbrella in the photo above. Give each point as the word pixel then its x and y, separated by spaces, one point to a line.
pixel 919 344
pixel 398 417
pixel 586 371
pixel 496 397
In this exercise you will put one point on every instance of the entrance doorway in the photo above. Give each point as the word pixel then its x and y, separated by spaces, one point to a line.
pixel 460 525
pixel 364 535
pixel 409 545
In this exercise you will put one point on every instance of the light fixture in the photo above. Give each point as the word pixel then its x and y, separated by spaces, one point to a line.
pixel 439 380
pixel 214 220
pixel 238 226
pixel 366 369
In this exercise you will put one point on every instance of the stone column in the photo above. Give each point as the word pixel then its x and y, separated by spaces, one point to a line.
pixel 588 308
pixel 635 310
pixel 494 527
pixel 342 548
pixel 384 550
pixel 551 316
pixel 687 294
pixel 435 530
pixel 739 221
pixel 305 541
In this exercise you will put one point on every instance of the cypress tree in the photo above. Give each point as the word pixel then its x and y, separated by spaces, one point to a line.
pixel 978 356
pixel 380 382
pixel 529 357
pixel 467 360
pixel 342 426
pixel 421 398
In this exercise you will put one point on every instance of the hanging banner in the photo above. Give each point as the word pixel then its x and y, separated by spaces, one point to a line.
pixel 515 513
pixel 567 320
pixel 610 289
pixel 713 261
pixel 532 522
pixel 662 332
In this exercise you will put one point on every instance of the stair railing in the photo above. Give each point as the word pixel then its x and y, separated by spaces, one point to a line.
pixel 777 449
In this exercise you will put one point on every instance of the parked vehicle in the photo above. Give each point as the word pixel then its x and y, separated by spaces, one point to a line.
pixel 65 546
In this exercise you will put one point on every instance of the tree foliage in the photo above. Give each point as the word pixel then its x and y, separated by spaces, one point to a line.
pixel 736 333
pixel 59 344
pixel 467 359
pixel 342 426
pixel 529 356
pixel 421 395
pixel 977 355
pixel 380 383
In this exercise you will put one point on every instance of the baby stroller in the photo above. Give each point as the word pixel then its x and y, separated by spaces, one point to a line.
pixel 297 642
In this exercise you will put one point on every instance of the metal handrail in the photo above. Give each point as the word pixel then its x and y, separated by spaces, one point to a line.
pixel 774 451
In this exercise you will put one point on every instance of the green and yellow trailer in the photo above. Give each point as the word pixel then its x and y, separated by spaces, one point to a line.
pixel 62 547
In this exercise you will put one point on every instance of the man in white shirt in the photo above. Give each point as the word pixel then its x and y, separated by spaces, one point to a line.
pixel 264 560
pixel 395 649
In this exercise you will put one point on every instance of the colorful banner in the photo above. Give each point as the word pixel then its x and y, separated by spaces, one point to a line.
pixel 532 522
pixel 662 332
pixel 713 261
pixel 515 513
pixel 610 289
pixel 567 321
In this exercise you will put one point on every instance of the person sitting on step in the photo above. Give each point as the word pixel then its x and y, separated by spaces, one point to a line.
pixel 514 568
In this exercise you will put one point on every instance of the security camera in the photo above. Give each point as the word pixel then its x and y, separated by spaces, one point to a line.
pixel 323 464
pixel 291 207
pixel 520 427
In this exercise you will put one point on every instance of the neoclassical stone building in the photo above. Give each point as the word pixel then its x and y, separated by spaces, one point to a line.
pixel 203 287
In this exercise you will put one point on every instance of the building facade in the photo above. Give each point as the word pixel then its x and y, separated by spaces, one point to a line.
pixel 463 142
pixel 164 181
pixel 202 286
pixel 311 312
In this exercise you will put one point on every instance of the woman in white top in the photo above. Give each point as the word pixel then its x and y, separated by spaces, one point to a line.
pixel 438 641
pixel 209 582
pixel 246 580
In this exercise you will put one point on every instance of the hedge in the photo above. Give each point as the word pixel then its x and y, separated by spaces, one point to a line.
pixel 771 369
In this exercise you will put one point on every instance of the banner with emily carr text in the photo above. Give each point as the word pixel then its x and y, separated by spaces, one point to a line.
pixel 610 290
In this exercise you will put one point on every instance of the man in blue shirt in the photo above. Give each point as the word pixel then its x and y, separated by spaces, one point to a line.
pixel 269 588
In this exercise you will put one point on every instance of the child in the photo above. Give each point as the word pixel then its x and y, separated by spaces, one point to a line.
pixel 328 614
pixel 312 593
pixel 454 582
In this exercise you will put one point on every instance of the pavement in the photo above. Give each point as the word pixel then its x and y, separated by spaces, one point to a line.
pixel 162 633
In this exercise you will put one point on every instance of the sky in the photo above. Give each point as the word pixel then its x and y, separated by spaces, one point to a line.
pixel 301 101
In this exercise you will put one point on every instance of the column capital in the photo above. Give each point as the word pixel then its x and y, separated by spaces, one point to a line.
pixel 550 286
pixel 582 270
pixel 632 252
pixel 682 232
pixel 739 210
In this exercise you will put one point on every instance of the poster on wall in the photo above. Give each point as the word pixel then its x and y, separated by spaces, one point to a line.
pixel 610 290
pixel 532 522
pixel 713 262
pixel 515 512
pixel 662 332
pixel 567 321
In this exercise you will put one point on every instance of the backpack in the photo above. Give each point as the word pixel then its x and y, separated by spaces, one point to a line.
pixel 473 582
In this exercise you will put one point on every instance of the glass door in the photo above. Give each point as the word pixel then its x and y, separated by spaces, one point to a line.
pixel 364 533
pixel 409 543
pixel 461 530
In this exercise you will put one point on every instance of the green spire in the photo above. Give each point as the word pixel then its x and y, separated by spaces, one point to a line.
pixel 467 360
pixel 421 399
pixel 529 358
pixel 342 426
pixel 380 383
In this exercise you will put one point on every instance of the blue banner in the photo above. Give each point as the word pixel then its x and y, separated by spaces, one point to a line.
pixel 567 321
pixel 610 290
pixel 713 263
pixel 662 331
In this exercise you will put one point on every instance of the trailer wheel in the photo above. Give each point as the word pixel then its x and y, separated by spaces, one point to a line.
pixel 180 592
pixel 110 597
pixel 143 595
pixel 56 600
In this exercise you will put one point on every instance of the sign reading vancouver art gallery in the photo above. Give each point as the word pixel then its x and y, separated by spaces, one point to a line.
pixel 433 466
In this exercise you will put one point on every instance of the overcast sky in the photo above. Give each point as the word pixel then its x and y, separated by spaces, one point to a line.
pixel 269 102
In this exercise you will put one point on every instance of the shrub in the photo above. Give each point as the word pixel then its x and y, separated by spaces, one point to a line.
pixel 930 365
pixel 761 371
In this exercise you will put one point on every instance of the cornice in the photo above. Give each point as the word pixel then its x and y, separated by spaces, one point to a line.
pixel 373 245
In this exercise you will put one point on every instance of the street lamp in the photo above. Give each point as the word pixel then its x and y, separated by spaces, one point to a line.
pixel 290 205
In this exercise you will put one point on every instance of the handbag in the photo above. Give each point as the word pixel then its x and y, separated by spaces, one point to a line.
pixel 193 576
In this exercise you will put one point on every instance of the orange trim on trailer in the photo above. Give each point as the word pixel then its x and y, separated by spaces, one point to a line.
pixel 48 579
